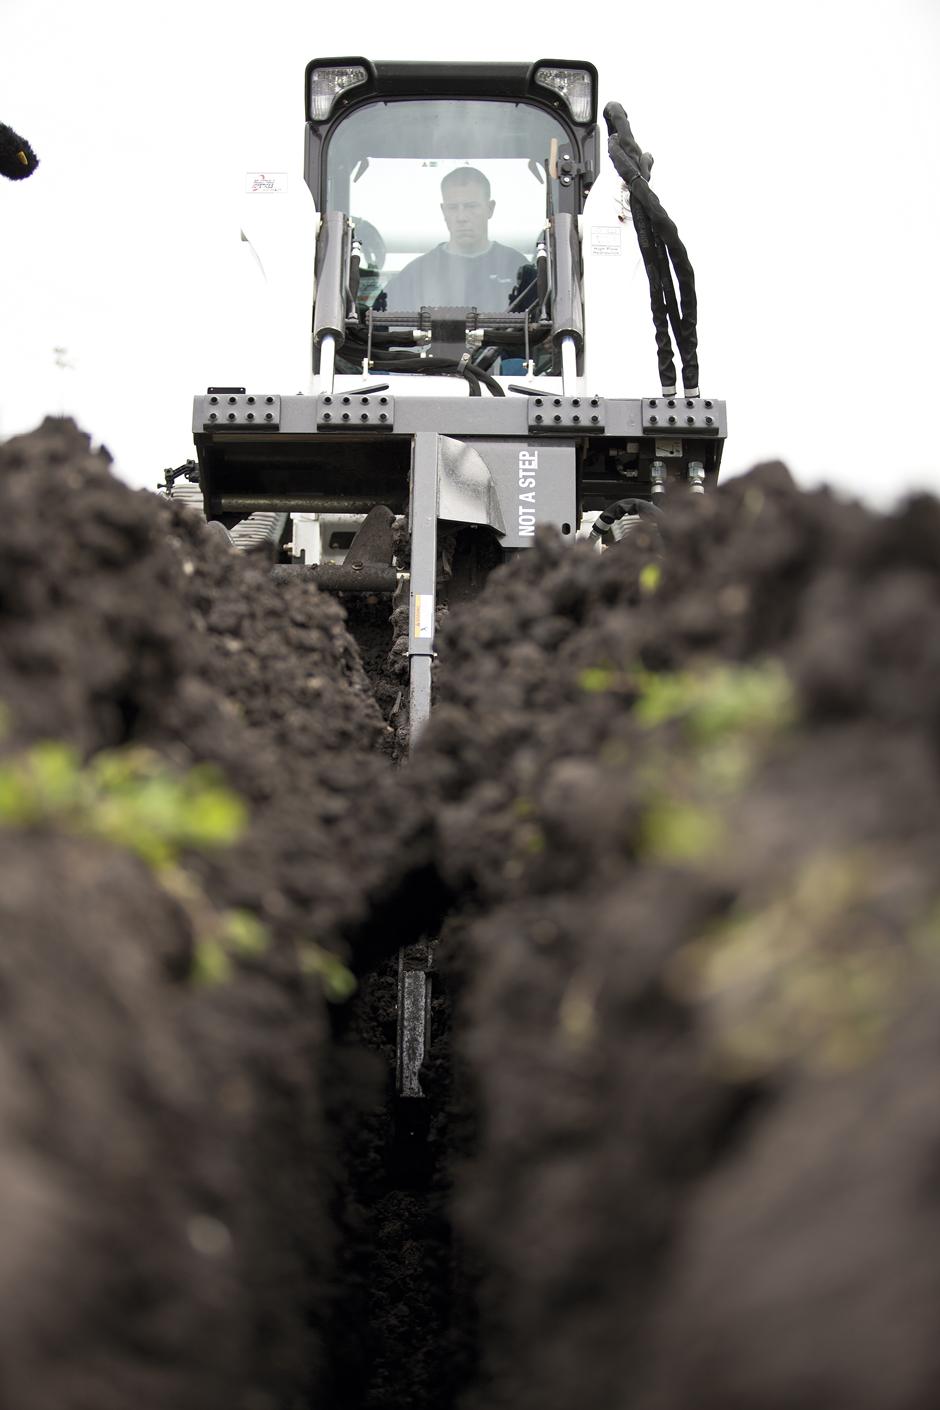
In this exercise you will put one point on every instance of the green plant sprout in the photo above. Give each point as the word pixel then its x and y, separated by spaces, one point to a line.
pixel 133 799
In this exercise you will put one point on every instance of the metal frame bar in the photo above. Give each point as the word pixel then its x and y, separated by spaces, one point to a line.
pixel 423 585
pixel 414 981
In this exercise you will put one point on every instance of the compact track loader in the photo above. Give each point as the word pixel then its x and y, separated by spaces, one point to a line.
pixel 450 338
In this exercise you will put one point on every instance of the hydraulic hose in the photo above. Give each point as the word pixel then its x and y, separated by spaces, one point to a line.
pixel 659 245
pixel 478 374
pixel 430 367
pixel 651 263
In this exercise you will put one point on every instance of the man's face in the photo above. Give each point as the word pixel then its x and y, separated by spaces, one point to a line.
pixel 467 214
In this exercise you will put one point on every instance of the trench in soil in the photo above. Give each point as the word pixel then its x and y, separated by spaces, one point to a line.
pixel 400 1332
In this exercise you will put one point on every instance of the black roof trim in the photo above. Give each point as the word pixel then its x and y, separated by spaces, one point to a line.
pixel 414 79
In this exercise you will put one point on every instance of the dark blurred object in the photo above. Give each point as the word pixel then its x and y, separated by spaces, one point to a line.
pixel 17 158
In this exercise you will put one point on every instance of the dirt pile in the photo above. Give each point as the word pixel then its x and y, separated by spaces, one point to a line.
pixel 692 805
pixel 167 1164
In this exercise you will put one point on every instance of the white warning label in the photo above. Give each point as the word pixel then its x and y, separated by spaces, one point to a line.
pixel 265 183
pixel 528 465
pixel 424 616
pixel 606 239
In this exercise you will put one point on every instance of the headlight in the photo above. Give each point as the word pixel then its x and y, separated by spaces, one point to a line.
pixel 327 84
pixel 574 85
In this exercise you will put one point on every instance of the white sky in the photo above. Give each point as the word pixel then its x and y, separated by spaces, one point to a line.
pixel 795 145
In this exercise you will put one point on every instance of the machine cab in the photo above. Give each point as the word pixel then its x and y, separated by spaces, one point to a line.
pixel 448 202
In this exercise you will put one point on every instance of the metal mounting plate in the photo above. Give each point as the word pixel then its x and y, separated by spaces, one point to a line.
pixel 680 416
pixel 568 414
pixel 255 412
pixel 342 412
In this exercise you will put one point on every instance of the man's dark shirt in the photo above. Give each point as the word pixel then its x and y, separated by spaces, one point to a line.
pixel 483 282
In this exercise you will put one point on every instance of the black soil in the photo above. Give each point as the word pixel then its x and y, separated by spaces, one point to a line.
pixel 167 1141
pixel 612 1100
pixel 675 822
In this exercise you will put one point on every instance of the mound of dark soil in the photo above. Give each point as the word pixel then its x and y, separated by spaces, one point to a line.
pixel 806 1272
pixel 693 922
pixel 176 1134
pixel 131 1232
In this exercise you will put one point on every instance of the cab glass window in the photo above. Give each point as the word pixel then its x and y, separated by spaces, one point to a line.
pixel 385 164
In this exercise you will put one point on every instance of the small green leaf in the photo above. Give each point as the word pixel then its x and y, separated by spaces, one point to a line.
pixel 244 934
pixel 651 575
pixel 211 965
pixel 338 982
pixel 680 832
pixel 596 679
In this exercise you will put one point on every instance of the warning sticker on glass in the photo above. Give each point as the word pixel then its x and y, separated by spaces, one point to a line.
pixel 424 616
pixel 606 239
pixel 258 183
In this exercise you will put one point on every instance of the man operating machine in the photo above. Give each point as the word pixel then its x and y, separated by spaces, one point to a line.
pixel 469 269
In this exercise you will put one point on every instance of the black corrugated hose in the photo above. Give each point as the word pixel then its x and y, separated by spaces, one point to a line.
pixel 659 244
pixel 473 372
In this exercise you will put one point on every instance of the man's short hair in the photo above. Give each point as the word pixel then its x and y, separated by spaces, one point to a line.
pixel 464 174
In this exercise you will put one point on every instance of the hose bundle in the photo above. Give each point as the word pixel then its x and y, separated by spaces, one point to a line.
pixel 659 244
